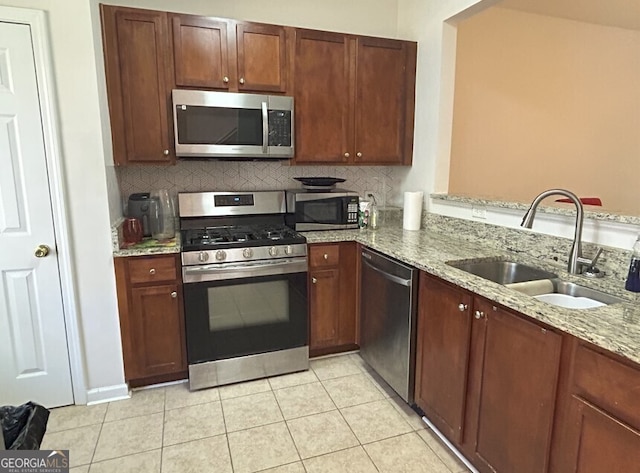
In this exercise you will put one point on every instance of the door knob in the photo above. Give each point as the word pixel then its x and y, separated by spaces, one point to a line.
pixel 42 251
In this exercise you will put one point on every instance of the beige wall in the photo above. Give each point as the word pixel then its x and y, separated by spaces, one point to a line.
pixel 543 102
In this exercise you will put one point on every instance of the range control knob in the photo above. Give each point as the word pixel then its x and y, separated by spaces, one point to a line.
pixel 288 250
pixel 221 255
pixel 203 256
pixel 247 252
pixel 273 251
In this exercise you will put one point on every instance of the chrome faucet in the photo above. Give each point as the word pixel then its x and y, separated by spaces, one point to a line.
pixel 576 261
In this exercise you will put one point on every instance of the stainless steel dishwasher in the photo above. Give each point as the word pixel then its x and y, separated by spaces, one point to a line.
pixel 388 320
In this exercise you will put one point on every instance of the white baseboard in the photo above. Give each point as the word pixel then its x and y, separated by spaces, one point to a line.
pixel 108 394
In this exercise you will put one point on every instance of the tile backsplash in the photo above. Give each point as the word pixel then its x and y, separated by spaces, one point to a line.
pixel 201 175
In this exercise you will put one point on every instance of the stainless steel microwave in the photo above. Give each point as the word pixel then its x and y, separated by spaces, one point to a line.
pixel 322 210
pixel 228 125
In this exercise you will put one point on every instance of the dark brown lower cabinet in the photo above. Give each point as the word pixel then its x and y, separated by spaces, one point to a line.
pixel 151 319
pixel 442 354
pixel 512 397
pixel 487 378
pixel 600 431
pixel 332 297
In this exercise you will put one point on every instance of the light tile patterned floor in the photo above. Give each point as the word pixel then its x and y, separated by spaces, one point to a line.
pixel 338 417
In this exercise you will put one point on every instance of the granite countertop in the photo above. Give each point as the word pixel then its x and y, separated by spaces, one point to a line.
pixel 146 247
pixel 614 327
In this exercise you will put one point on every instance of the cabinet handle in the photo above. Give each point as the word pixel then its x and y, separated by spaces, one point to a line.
pixel 166 152
pixel 241 80
pixel 152 271
pixel 346 155
pixel 174 294
pixel 462 307
pixel 478 314
pixel 225 79
pixel 314 280
pixel 326 256
pixel 359 154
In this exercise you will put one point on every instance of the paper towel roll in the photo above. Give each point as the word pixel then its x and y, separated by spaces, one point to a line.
pixel 412 213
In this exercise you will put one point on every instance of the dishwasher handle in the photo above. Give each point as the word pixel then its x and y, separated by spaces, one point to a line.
pixel 390 277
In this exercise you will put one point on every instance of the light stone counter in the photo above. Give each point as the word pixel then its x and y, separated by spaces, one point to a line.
pixel 615 327
pixel 147 247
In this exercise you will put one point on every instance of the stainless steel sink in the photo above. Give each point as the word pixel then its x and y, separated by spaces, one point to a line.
pixel 503 272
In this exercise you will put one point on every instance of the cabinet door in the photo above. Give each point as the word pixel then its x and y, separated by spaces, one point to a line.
pixel 323 97
pixel 139 73
pixel 262 57
pixel 200 52
pixel 516 402
pixel 385 83
pixel 603 443
pixel 442 363
pixel 157 331
pixel 324 310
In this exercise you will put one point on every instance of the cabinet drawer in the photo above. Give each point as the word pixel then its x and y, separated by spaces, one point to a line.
pixel 157 268
pixel 324 255
pixel 607 383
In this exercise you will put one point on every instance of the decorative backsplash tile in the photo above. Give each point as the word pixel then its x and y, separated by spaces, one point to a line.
pixel 196 175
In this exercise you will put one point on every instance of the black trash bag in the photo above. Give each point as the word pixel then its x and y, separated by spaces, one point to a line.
pixel 23 426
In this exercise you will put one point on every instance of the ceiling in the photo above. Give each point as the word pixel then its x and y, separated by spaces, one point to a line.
pixel 618 13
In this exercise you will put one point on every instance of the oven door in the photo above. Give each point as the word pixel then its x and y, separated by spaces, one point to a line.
pixel 239 309
pixel 323 213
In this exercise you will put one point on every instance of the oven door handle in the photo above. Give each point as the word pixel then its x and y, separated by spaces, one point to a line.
pixel 213 272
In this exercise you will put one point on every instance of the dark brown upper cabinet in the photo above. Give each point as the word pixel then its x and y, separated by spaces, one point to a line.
pixel 354 99
pixel 139 77
pixel 216 53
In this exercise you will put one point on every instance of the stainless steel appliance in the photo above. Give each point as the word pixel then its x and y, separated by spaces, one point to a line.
pixel 228 125
pixel 388 320
pixel 322 210
pixel 245 287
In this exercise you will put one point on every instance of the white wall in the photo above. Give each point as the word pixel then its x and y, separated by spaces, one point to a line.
pixel 84 175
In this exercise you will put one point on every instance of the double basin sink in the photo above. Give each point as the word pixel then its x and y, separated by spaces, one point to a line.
pixel 536 282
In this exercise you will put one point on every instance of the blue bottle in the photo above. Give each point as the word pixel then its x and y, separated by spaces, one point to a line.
pixel 633 279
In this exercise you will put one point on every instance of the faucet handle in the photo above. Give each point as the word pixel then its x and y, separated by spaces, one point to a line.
pixel 592 271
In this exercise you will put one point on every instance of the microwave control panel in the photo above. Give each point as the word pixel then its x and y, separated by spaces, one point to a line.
pixel 352 211
pixel 279 128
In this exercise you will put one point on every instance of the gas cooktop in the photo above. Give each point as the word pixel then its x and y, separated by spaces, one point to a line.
pixel 239 236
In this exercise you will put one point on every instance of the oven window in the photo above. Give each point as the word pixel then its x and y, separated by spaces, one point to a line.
pixel 219 126
pixel 326 211
pixel 234 307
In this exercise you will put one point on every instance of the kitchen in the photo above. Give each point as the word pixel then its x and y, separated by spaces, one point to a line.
pixel 100 373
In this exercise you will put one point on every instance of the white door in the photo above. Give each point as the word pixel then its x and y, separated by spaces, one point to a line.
pixel 34 360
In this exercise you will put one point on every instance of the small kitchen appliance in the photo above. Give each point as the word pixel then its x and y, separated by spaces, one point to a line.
pixel 142 206
pixel 228 125
pixel 331 209
pixel 245 287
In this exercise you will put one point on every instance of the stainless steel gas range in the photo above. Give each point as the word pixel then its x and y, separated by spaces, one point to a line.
pixel 245 287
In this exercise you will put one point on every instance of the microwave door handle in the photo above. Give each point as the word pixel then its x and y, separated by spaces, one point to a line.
pixel 265 128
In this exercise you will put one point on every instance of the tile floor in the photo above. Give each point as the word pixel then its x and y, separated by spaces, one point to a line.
pixel 336 417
